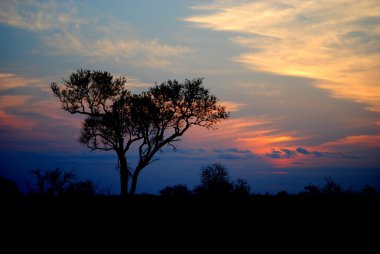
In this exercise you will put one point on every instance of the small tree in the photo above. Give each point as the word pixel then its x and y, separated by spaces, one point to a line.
pixel 116 119
pixel 331 187
pixel 312 190
pixel 52 182
pixel 8 187
pixel 241 188
pixel 57 182
pixel 368 190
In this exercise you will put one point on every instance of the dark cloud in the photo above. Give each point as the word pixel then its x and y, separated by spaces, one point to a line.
pixel 333 155
pixel 275 154
pixel 233 153
pixel 288 153
pixel 281 154
pixel 302 150
pixel 285 153
pixel 191 151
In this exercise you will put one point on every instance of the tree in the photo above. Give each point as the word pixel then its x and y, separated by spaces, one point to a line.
pixel 331 187
pixel 56 182
pixel 312 190
pixel 215 181
pixel 241 188
pixel 117 119
pixel 52 182
pixel 8 188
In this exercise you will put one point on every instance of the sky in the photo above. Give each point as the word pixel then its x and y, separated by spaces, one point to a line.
pixel 301 79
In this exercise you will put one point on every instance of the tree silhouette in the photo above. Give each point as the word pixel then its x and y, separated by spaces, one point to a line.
pixel 8 187
pixel 331 187
pixel 215 181
pixel 241 188
pixel 116 119
pixel 56 182
pixel 312 190
pixel 52 182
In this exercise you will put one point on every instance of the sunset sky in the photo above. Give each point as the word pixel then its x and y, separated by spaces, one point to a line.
pixel 301 79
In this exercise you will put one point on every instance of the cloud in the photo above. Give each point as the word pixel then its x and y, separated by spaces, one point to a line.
pixel 286 153
pixel 9 120
pixel 334 43
pixel 232 106
pixel 30 116
pixel 234 153
pixel 281 154
pixel 302 150
pixel 151 53
pixel 65 31
pixel 38 15
pixel 11 81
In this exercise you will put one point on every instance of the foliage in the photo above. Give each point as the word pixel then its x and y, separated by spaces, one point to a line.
pixel 312 190
pixel 55 182
pixel 176 191
pixel 8 187
pixel 368 190
pixel 241 188
pixel 116 119
pixel 331 187
pixel 215 182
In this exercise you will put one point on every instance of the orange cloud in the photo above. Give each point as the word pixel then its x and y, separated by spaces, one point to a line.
pixel 9 120
pixel 10 80
pixel 254 134
pixel 24 105
pixel 354 142
pixel 232 106
pixel 334 43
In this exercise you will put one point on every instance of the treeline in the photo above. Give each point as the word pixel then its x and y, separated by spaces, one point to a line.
pixel 215 183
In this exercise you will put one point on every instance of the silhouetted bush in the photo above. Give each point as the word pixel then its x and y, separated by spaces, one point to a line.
pixel 312 190
pixel 56 182
pixel 8 187
pixel 368 190
pixel 241 188
pixel 282 193
pixel 176 191
pixel 82 188
pixel 331 187
pixel 215 182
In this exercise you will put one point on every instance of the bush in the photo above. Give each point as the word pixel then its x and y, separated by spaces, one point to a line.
pixel 8 187
pixel 215 182
pixel 331 187
pixel 56 182
pixel 176 191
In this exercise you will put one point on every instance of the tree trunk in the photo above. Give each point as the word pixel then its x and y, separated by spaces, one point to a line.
pixel 134 180
pixel 124 175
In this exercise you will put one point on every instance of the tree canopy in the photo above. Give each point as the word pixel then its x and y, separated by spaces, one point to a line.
pixel 116 118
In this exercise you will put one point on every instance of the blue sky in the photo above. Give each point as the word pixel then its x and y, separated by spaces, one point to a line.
pixel 301 79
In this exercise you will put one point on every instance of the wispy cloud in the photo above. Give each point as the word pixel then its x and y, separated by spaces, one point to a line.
pixel 11 81
pixel 9 120
pixel 336 43
pixel 38 15
pixel 28 113
pixel 287 153
pixel 64 31
pixel 234 154
pixel 232 106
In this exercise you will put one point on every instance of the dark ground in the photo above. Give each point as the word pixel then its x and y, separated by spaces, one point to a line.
pixel 252 220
